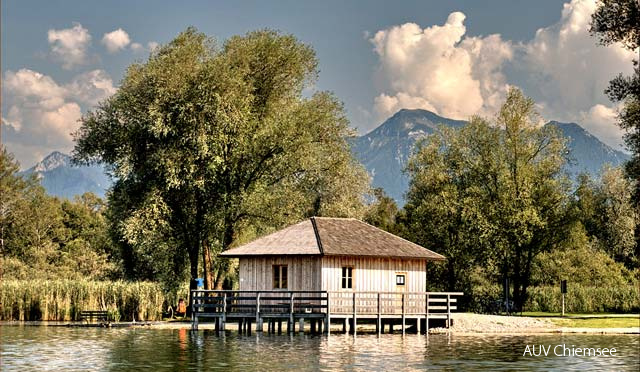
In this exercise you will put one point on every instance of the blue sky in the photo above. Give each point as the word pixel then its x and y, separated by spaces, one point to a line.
pixel 456 58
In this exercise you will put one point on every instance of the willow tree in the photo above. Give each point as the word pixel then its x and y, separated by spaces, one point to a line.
pixel 206 140
pixel 490 194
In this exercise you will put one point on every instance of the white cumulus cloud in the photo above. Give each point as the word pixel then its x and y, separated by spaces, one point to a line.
pixel 139 48
pixel 439 69
pixel 41 114
pixel 70 46
pixel 91 87
pixel 116 40
pixel 569 71
pixel 601 121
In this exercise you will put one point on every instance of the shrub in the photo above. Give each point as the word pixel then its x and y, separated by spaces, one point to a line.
pixel 579 299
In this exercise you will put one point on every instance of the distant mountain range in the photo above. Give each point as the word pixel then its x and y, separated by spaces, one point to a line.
pixel 60 178
pixel 385 150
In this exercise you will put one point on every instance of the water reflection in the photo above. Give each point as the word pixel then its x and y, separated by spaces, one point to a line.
pixel 26 348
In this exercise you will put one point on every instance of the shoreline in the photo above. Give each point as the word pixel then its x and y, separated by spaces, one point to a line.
pixel 464 324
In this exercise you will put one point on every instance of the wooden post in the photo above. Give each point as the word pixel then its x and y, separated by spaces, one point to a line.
pixel 344 325
pixel 194 324
pixel 418 323
pixel 291 325
pixel 354 313
pixel 224 311
pixel 301 325
pixel 327 318
pixel 426 321
pixel 379 323
pixel 403 313
pixel 448 310
pixel 279 326
pixel 258 318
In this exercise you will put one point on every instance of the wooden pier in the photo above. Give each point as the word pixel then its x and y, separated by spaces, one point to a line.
pixel 322 308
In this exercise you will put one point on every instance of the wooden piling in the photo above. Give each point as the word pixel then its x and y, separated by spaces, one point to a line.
pixel 448 311
pixel 355 322
pixel 258 318
pixel 379 322
pixel 327 316
pixel 403 313
pixel 291 325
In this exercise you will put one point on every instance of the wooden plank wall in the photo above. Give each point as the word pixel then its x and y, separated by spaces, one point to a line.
pixel 373 274
pixel 303 272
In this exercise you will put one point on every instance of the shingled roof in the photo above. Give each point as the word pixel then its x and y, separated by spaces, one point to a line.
pixel 333 237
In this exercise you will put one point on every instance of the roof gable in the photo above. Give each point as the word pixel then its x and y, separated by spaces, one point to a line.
pixel 333 237
pixel 351 237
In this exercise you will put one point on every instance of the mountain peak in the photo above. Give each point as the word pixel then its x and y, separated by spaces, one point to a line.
pixel 413 122
pixel 61 178
pixel 568 127
pixel 52 161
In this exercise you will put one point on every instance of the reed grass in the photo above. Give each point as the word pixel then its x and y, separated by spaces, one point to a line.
pixel 63 300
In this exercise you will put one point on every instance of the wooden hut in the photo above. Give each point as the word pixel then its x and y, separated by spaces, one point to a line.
pixel 333 254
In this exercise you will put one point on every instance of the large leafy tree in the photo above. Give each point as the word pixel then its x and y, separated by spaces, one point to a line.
pixel 490 194
pixel 208 142
pixel 618 21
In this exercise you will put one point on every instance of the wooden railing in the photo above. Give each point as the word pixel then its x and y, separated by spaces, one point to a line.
pixel 339 302
pixel 252 302
pixel 394 303
pixel 314 305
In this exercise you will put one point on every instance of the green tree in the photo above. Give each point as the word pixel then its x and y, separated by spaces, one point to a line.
pixel 618 21
pixel 206 141
pixel 43 237
pixel 12 187
pixel 605 208
pixel 383 212
pixel 618 217
pixel 581 261
pixel 493 195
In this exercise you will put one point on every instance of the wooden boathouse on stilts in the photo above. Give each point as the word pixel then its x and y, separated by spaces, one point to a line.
pixel 324 271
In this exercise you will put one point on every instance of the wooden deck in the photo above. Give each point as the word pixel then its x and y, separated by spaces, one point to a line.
pixel 321 308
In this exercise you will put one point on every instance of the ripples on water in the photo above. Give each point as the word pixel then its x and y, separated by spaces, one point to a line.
pixel 28 348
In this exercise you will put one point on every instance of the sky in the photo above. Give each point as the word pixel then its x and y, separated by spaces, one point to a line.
pixel 455 58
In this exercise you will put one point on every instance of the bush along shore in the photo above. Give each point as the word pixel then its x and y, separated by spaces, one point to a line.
pixel 579 299
pixel 63 300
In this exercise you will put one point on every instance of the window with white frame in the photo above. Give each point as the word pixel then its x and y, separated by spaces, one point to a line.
pixel 347 277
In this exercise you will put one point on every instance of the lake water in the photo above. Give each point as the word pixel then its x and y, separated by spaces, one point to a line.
pixel 33 348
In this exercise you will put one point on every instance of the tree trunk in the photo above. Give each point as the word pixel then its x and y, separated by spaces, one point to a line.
pixel 207 264
pixel 193 284
pixel 223 266
pixel 517 278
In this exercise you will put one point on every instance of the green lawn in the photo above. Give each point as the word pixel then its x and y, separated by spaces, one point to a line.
pixel 600 320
